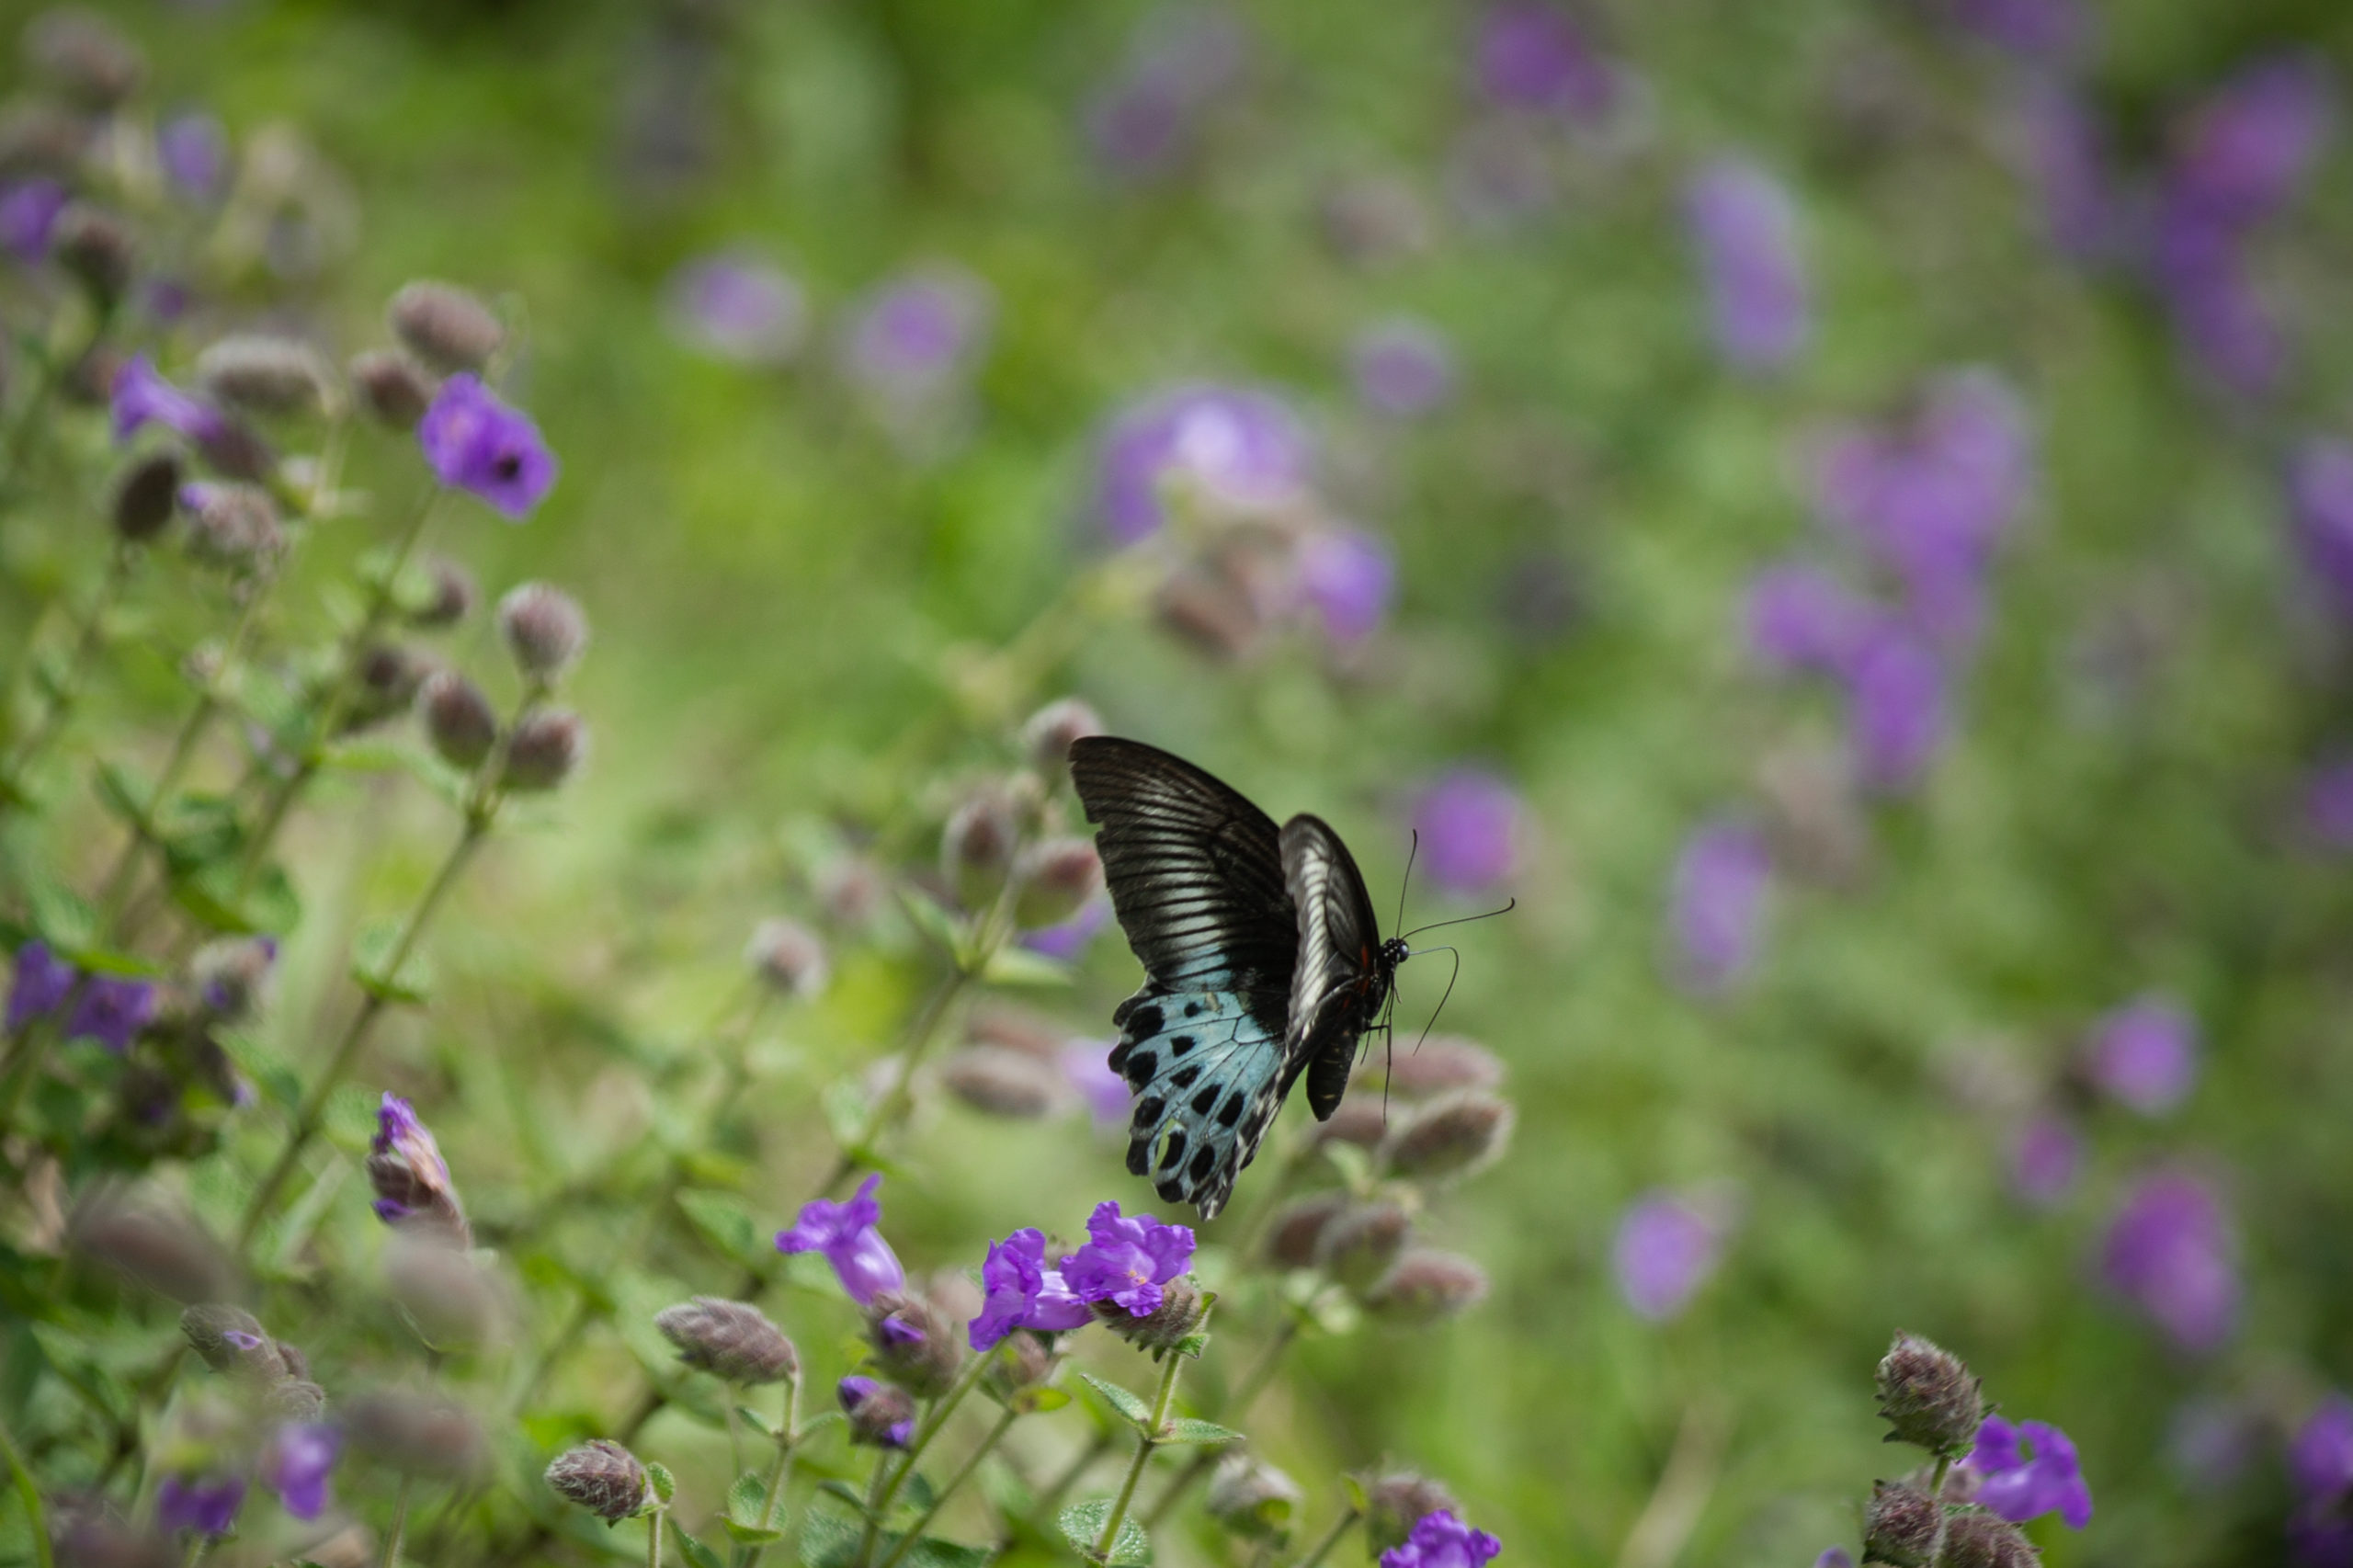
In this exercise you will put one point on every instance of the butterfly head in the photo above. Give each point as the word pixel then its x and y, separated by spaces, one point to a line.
pixel 1395 952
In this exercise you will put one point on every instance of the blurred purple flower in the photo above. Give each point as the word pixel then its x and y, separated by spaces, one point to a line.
pixel 1237 448
pixel 2244 152
pixel 112 1011
pixel 1022 1292
pixel 916 337
pixel 419 1174
pixel 301 1457
pixel 2211 1442
pixel 1086 1067
pixel 2320 1456
pixel 28 210
pixel 1144 119
pixel 1070 939
pixel 1441 1540
pixel 1896 710
pixel 1531 55
pixel 2028 1470
pixel 855 1390
pixel 2046 1159
pixel 1470 824
pixel 1349 577
pixel 2067 165
pixel 2320 505
pixel 845 1234
pixel 1665 1250
pixel 2199 268
pixel 1126 1260
pixel 1402 369
pixel 193 149
pixel 1717 903
pixel 1802 617
pixel 2169 1250
pixel 205 1503
pixel 140 396
pixel 39 984
pixel 2328 803
pixel 475 442
pixel 737 305
pixel 1836 1557
pixel 2033 30
pixel 1745 227
pixel 2144 1055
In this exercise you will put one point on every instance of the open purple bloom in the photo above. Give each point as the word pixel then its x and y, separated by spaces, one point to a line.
pixel 1441 1540
pixel 1470 823
pixel 737 305
pixel 854 1392
pixel 1665 1250
pixel 28 211
pixel 1349 577
pixel 1802 617
pixel 845 1234
pixel 2145 1056
pixel 1235 449
pixel 1023 1292
pixel 1086 1067
pixel 112 1011
pixel 2046 1159
pixel 1723 879
pixel 2169 1250
pixel 1745 229
pixel 205 1503
pixel 193 149
pixel 2027 1470
pixel 1402 369
pixel 2244 152
pixel 916 337
pixel 1529 55
pixel 39 984
pixel 474 441
pixel 299 1459
pixel 142 396
pixel 1895 708
pixel 2319 506
pixel 1127 1259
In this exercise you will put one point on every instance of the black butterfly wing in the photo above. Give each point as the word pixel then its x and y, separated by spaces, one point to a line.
pixel 1340 980
pixel 1196 875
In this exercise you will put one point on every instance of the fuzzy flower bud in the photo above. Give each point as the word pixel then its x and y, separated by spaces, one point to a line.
pixel 145 496
pixel 976 850
pixel 734 1341
pixel 168 1253
pixel 1295 1235
pixel 1048 735
pixel 915 1345
pixel 84 56
pixel 296 1398
pixel 879 1414
pixel 1975 1538
pixel 444 325
pixel 1165 1327
pixel 1057 878
pixel 1451 1135
pixel 1443 1062
pixel 1900 1526
pixel 409 1177
pixel 390 676
pixel 458 719
pixel 1002 1082
pixel 97 249
pixel 1428 1287
pixel 450 1299
pixel 264 375
pixel 544 629
pixel 1252 1499
pixel 1360 1245
pixel 416 1433
pixel 1929 1397
pixel 233 527
pixel 602 1477
pixel 394 388
pixel 1024 1360
pixel 232 976
pixel 1360 1121
pixel 1396 1502
pixel 449 597
pixel 230 1339
pixel 548 748
pixel 789 957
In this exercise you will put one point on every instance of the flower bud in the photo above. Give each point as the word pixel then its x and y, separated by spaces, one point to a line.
pixel 1443 1062
pixel 1048 735
pixel 1453 1135
pixel 230 1339
pixel 449 597
pixel 1024 1361
pixel 1165 1327
pixel 296 1398
pixel 85 57
pixel 915 1345
pixel 458 719
pixel 734 1341
pixel 789 957
pixel 976 850
pixel 394 388
pixel 145 496
pixel 1252 1499
pixel 451 1299
pixel 1975 1538
pixel 544 629
pixel 444 325
pixel 168 1253
pixel 879 1414
pixel 232 449
pixel 388 677
pixel 1900 1526
pixel 602 1477
pixel 1396 1502
pixel 260 374
pixel 1295 1235
pixel 97 249
pixel 1360 1245
pixel 89 1537
pixel 548 748
pixel 1359 1119
pixel 999 1082
pixel 38 137
pixel 1057 878
pixel 231 527
pixel 1929 1397
pixel 232 976
pixel 416 1433
pixel 1428 1287
pixel 853 889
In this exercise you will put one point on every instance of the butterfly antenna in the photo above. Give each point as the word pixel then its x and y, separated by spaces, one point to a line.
pixel 1412 854
pixel 1461 920
pixel 1451 979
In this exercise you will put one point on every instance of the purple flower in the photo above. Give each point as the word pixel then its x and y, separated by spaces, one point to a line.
pixel 2243 154
pixel 301 1457
pixel 915 338
pixel 1666 1249
pixel 2069 170
pixel 1234 449
pixel 1086 1068
pixel 112 1011
pixel 1895 708
pixel 1126 1260
pixel 1023 1292
pixel 206 1504
pixel 40 983
pixel 2199 265
pixel 140 396
pixel 1349 577
pixel 1469 825
pixel 28 210
pixel 2034 29
pixel 2320 504
pixel 1745 228
pixel 1067 940
pixel 2027 1470
pixel 1441 1540
pixel 854 1392
pixel 737 305
pixel 1529 55
pixel 1723 879
pixel 1404 368
pixel 2320 1456
pixel 194 150
pixel 2145 1056
pixel 2169 1250
pixel 1144 120
pixel 845 1232
pixel 2328 803
pixel 2045 1160
pixel 1803 617
pixel 1835 1557
pixel 475 442
pixel 407 1170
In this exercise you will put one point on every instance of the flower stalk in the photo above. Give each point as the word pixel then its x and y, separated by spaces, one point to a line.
pixel 67 693
pixel 1163 1403
pixel 1330 1539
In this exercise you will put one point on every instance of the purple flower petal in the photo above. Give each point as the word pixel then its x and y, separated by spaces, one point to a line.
pixel 2145 1056
pixel 1349 577
pixel 1402 369
pixel 1744 226
pixel 1471 826
pixel 1665 1251
pixel 2028 1470
pixel 1723 879
pixel 737 305
pixel 845 1234
pixel 1232 449
pixel 299 1459
pixel 2170 1251
pixel 474 442
pixel 40 982
pixel 1127 1259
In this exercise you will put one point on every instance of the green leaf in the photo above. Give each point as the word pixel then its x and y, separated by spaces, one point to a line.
pixel 747 1499
pixel 938 926
pixel 1126 1405
pixel 1083 1524
pixel 1185 1429
pixel 122 792
pixel 842 1489
pixel 827 1540
pixel 371 956
pixel 1018 966
pixel 722 1217
pixel 930 1551
pixel 758 1422
pixel 1191 1345
pixel 697 1553
pixel 1037 1402
pixel 665 1485
pixel 269 906
pixel 750 1535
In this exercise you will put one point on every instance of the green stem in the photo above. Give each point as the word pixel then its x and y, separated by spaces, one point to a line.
pixel 1332 1538
pixel 780 1467
pixel 934 1421
pixel 888 1109
pixel 1246 1393
pixel 1146 1442
pixel 29 1493
pixel 61 701
pixel 391 1552
pixel 939 1499
pixel 653 1537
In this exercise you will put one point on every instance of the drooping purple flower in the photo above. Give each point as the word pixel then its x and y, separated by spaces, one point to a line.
pixel 1070 937
pixel 2032 29
pixel 2067 165
pixel 1665 1250
pixel 1442 1540
pixel 2320 505
pixel 205 1503
pixel 1402 369
pixel 193 149
pixel 1349 577
pixel 112 1011
pixel 476 443
pixel 405 1167
pixel 1529 55
pixel 1233 448
pixel 39 984
pixel 28 210
pixel 2169 1250
pixel 1801 617
pixel 1471 826
pixel 297 1464
pixel 854 1392
pixel 2026 1470
pixel 2244 152
pixel 917 336
pixel 1895 708
pixel 1745 229
pixel 1717 904
pixel 2328 804
pixel 140 396
pixel 1086 1067
pixel 1022 1292
pixel 2144 1055
pixel 1127 1259
pixel 737 305
pixel 2046 1158
pixel 1146 117
pixel 845 1234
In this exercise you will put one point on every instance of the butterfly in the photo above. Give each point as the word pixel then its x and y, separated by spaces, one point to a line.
pixel 1262 957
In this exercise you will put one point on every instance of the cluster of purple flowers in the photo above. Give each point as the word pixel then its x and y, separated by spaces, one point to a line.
pixel 1128 1262
pixel 106 1008
pixel 2026 1470
pixel 1441 1540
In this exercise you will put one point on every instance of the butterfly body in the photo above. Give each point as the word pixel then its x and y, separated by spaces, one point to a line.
pixel 1263 962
